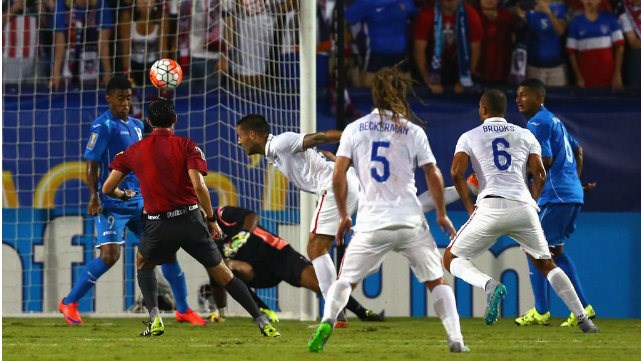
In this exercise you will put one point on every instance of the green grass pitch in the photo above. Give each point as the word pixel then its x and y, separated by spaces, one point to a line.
pixel 239 339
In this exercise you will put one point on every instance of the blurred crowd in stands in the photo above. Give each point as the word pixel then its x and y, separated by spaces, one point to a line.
pixel 446 45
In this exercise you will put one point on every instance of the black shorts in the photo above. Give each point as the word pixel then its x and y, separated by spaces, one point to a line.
pixel 287 266
pixel 161 239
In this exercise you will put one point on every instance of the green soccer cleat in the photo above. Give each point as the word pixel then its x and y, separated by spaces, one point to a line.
pixel 494 303
pixel 319 338
pixel 273 317
pixel 573 321
pixel 269 331
pixel 155 328
pixel 533 317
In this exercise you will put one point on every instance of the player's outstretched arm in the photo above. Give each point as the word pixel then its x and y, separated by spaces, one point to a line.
pixel 312 140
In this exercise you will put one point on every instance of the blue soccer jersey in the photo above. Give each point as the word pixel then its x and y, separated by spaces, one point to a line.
pixel 544 45
pixel 386 23
pixel 109 136
pixel 562 184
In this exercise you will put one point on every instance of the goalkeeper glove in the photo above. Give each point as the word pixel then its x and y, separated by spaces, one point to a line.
pixel 231 248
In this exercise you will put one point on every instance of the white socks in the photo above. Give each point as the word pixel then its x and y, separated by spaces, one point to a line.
pixel 325 272
pixel 562 285
pixel 445 307
pixel 336 300
pixel 449 195
pixel 465 270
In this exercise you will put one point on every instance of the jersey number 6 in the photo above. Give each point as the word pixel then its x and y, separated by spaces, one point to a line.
pixel 380 158
pixel 502 159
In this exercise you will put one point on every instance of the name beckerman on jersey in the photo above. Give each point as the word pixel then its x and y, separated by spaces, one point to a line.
pixel 383 127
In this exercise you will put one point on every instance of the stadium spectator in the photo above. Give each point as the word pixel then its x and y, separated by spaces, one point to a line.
pixel 385 147
pixel 146 40
pixel 561 199
pixel 19 40
pixel 250 31
pixel 546 24
pixel 630 21
pixel 576 7
pixel 111 133
pixel 288 43
pixel 200 40
pixel 82 38
pixel 446 54
pixel 497 42
pixel 262 259
pixel 174 217
pixel 504 205
pixel 595 46
pixel 385 24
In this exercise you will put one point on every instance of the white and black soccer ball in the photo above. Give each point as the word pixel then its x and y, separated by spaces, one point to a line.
pixel 166 74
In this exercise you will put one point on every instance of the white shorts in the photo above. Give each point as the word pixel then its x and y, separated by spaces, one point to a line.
pixel 495 217
pixel 366 250
pixel 255 41
pixel 325 217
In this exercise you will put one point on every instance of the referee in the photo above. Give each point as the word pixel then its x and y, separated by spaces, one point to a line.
pixel 170 170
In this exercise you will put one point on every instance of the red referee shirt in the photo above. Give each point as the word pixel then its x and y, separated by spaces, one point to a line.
pixel 161 163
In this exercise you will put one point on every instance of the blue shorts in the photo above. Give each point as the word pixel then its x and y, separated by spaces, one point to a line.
pixel 558 221
pixel 111 223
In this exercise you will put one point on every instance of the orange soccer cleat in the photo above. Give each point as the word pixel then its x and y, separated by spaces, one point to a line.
pixel 70 311
pixel 191 317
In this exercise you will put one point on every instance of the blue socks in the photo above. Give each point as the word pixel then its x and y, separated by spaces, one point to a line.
pixel 565 263
pixel 540 289
pixel 176 278
pixel 88 278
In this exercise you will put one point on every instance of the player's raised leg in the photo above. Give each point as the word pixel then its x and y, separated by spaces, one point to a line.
pixel 465 270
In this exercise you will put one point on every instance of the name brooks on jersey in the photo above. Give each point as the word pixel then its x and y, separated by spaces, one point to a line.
pixel 383 127
pixel 498 128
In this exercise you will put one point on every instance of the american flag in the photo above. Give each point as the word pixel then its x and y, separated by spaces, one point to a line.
pixel 19 37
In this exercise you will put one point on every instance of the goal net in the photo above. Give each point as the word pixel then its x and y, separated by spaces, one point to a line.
pixel 238 57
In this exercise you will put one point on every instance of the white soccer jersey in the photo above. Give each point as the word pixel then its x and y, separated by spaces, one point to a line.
pixel 499 153
pixel 307 169
pixel 385 156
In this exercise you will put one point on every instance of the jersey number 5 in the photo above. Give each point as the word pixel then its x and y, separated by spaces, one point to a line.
pixel 379 158
pixel 502 159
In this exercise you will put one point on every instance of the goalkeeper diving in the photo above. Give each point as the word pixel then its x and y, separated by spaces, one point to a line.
pixel 263 260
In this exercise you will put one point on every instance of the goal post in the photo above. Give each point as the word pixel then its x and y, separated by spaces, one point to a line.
pixel 238 57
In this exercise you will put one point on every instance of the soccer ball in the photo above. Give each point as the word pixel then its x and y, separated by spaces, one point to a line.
pixel 166 74
pixel 473 184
